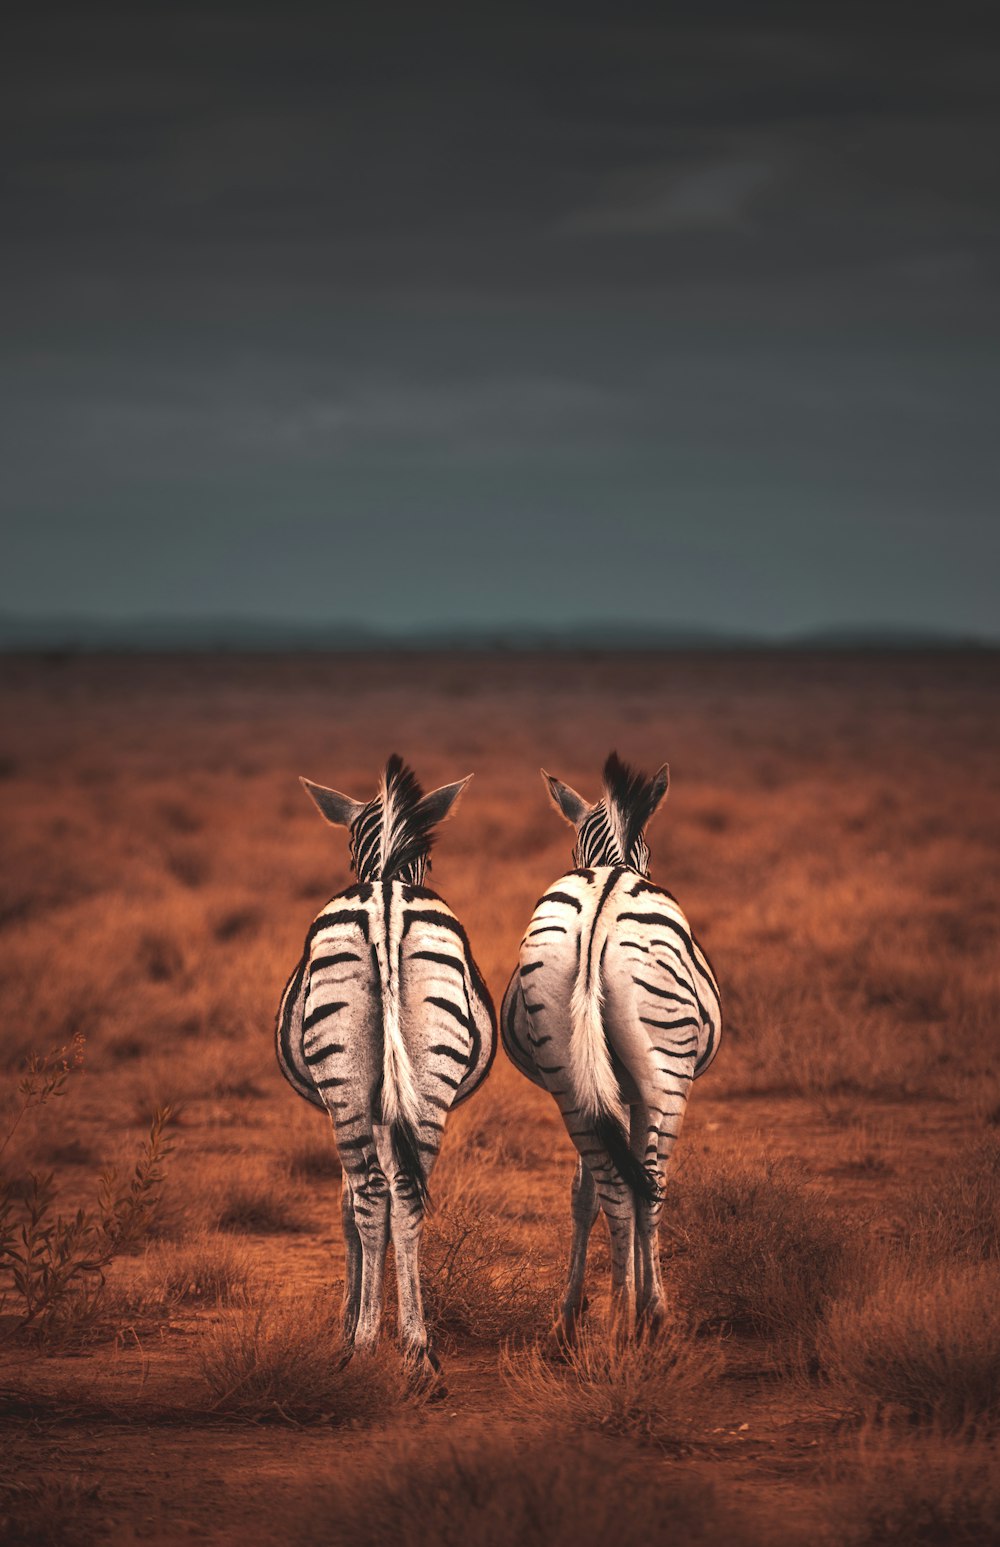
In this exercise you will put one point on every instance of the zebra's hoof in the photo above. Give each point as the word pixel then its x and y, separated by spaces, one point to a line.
pixel 425 1373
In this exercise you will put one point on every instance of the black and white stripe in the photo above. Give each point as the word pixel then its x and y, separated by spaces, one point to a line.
pixel 615 1010
pixel 386 1024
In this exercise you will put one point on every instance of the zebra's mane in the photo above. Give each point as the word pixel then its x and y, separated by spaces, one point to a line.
pixel 392 837
pixel 631 798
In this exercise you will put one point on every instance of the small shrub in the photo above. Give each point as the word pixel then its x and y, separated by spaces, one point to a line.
pixel 213 1270
pixel 56 1263
pixel 160 958
pixel 654 1389
pixel 750 1251
pixel 284 1360
pixel 236 923
pixel 49 1512
pixel 543 1489
pixel 933 1490
pixel 314 1161
pixel 928 1345
pixel 478 1284
pixel 957 1214
pixel 254 1208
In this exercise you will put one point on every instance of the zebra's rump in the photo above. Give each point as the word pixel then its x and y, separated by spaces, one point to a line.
pixel 333 1014
pixel 657 988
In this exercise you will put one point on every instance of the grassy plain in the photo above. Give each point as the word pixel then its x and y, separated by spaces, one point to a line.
pixel 830 1239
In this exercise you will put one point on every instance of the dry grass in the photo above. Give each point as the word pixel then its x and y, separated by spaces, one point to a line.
pixel 534 1489
pixel 249 1208
pixel 282 1359
pixel 926 1490
pixel 751 1251
pixel 212 1270
pixel 478 1283
pixel 653 1389
pixel 314 1160
pixel 924 1343
pixel 50 1512
pixel 826 833
pixel 956 1214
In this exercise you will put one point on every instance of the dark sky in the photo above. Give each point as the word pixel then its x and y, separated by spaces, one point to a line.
pixel 678 313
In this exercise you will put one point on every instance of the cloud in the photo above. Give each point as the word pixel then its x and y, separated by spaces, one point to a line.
pixel 717 196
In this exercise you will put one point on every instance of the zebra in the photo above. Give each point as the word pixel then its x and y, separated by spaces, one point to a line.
pixel 386 1024
pixel 614 1010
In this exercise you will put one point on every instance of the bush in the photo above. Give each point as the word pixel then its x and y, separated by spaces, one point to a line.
pixel 213 1270
pixel 654 1389
pixel 935 1490
pixel 957 1213
pixel 750 1252
pixel 536 1490
pixel 284 1360
pixel 49 1512
pixel 478 1284
pixel 259 1208
pixel 56 1264
pixel 927 1345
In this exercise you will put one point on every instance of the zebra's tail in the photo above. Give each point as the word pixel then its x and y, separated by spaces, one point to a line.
pixel 400 1101
pixel 595 1083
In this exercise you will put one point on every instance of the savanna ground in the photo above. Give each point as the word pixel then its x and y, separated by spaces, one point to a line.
pixel 831 1234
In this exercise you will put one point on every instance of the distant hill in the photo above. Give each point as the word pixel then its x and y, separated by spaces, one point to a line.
pixel 85 635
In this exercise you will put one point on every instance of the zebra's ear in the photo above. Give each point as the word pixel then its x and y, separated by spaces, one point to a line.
pixel 339 810
pixel 658 787
pixel 439 803
pixel 566 801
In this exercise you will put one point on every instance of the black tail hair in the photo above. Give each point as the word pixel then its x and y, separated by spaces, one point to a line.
pixel 638 1177
pixel 404 1147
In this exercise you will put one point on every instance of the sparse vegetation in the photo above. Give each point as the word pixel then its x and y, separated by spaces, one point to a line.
pixel 929 1490
pixel 924 1343
pixel 478 1283
pixel 55 1264
pixel 826 833
pixel 539 1489
pixel 749 1250
pixel 658 1389
pixel 283 1360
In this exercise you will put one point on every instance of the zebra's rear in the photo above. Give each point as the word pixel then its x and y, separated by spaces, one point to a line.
pixel 614 1010
pixel 385 1024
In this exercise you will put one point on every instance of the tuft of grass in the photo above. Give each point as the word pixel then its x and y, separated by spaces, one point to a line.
pixel 314 1161
pixel 480 1285
pixel 283 1360
pixel 751 1252
pixel 49 1512
pixel 658 1389
pixel 957 1214
pixel 256 1208
pixel 536 1489
pixel 926 1345
pixel 211 1270
pixel 936 1490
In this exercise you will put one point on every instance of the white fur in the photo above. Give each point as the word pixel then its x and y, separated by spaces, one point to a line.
pixel 594 1083
pixel 399 1091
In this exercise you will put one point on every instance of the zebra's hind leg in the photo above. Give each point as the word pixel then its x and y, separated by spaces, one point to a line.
pixel 649 1302
pixel 584 1208
pixel 370 1191
pixel 352 1262
pixel 407 1225
pixel 619 1210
